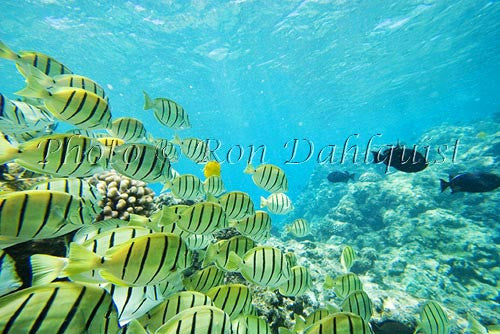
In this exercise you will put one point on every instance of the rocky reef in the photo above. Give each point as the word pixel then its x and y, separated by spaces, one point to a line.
pixel 413 242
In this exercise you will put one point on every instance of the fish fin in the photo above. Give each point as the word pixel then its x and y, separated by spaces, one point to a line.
pixel 444 184
pixel 234 262
pixel 332 308
pixel 210 255
pixel 167 185
pixel 148 102
pixel 263 202
pixel 474 326
pixel 28 70
pixel 112 278
pixel 176 140
pixel 8 151
pixel 168 216
pixel 7 53
pixel 80 260
pixel 300 324
pixel 9 272
pixel 329 282
pixel 249 169
pixel 46 268
pixel 135 327
pixel 9 241
pixel 211 198
pixel 34 89
pixel 284 330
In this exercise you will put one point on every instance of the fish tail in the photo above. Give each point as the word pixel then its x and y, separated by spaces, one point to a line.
pixel 167 185
pixel 209 255
pixel 148 102
pixel 444 184
pixel 249 169
pixel 112 278
pixel 176 140
pixel 284 330
pixel 8 152
pixel 7 53
pixel 28 70
pixel 34 88
pixel 46 268
pixel 234 262
pixel 351 176
pixel 329 282
pixel 300 324
pixel 263 202
pixel 211 198
pixel 81 260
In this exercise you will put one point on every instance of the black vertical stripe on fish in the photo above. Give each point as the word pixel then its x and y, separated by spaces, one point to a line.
pixel 94 311
pixel 92 112
pixel 179 246
pixel 22 212
pixel 80 106
pixel 143 260
pixel 64 151
pixel 141 160
pixel 127 258
pixel 16 314
pixel 47 70
pixel 162 261
pixel 43 314
pixel 152 167
pixel 68 101
pixel 35 61
pixel 72 312
pixel 46 214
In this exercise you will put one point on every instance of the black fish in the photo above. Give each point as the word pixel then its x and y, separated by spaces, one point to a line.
pixel 471 182
pixel 340 177
pixel 401 158
pixel 392 327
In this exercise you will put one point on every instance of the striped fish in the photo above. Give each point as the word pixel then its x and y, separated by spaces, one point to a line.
pixel 340 323
pixel 298 283
pixel 17 117
pixel 268 177
pixel 167 112
pixel 198 320
pixel 197 241
pixel 132 302
pixel 236 204
pixel 140 162
pixel 347 258
pixel 299 227
pixel 219 252
pixel 200 218
pixel 78 188
pixel 128 129
pixel 167 148
pixel 433 319
pixel 40 214
pixel 9 280
pixel 171 306
pixel 277 203
pixel 358 303
pixel 186 187
pixel 61 155
pixel 251 324
pixel 145 260
pixel 343 285
pixel 46 268
pixel 256 227
pixel 44 63
pixel 62 307
pixel 75 106
pixel 292 258
pixel 213 185
pixel 263 266
pixel 90 231
pixel 62 80
pixel 234 299
pixel 194 149
pixel 316 316
pixel 204 279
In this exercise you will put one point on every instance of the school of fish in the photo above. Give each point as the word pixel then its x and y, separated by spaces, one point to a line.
pixel 132 276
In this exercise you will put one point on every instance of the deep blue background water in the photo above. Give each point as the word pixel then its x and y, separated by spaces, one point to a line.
pixel 266 72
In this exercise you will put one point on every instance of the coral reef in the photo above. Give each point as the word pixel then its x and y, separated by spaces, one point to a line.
pixel 122 196
pixel 413 242
pixel 13 177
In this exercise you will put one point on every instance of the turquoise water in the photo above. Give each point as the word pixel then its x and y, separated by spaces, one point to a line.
pixel 266 72
pixel 273 74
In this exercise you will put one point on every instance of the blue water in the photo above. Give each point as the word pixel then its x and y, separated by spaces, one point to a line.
pixel 267 72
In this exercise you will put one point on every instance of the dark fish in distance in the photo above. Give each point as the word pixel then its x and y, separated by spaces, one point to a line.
pixel 336 177
pixel 392 327
pixel 471 182
pixel 402 158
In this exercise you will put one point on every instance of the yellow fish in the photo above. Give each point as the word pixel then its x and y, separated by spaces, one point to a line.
pixel 211 168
